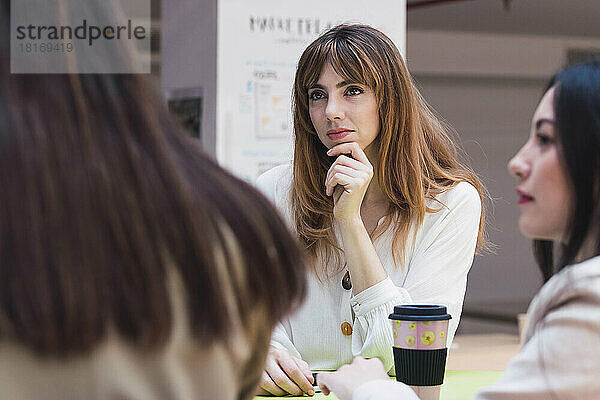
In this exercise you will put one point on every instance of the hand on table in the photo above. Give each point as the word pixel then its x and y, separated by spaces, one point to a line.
pixel 285 374
pixel 348 179
pixel 345 380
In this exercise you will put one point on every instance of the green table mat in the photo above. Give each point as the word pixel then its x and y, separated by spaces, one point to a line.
pixel 458 385
pixel 462 385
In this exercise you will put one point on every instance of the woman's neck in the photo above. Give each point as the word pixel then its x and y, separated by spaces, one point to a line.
pixel 589 247
pixel 374 195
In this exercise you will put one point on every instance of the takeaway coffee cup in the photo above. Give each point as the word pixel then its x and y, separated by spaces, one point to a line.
pixel 420 344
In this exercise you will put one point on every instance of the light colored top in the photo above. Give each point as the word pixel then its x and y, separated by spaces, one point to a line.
pixel 439 254
pixel 560 358
pixel 183 369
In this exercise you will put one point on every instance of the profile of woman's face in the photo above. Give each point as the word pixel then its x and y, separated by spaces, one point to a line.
pixel 545 196
pixel 342 111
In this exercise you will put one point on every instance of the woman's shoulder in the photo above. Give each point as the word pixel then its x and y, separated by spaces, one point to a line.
pixel 462 197
pixel 560 352
pixel 457 211
pixel 586 270
pixel 276 181
pixel 276 172
pixel 460 192
pixel 577 280
pixel 575 284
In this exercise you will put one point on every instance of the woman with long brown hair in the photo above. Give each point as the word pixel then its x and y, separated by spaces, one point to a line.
pixel 131 265
pixel 386 212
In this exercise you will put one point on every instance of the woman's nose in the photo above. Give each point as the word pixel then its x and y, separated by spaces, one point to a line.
pixel 518 166
pixel 334 110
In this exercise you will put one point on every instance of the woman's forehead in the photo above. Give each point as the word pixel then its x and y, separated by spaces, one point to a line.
pixel 344 68
pixel 545 108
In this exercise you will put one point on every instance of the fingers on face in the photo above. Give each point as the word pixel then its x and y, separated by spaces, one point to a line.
pixel 349 148
pixel 349 162
pixel 337 178
pixel 340 170
pixel 343 175
pixel 349 165
pixel 337 193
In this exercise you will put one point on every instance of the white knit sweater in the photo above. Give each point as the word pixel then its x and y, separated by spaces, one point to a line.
pixel 437 263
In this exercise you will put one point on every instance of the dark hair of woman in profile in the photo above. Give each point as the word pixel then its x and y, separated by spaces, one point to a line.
pixel 577 113
pixel 101 198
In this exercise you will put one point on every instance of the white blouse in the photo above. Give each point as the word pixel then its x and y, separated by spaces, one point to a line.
pixel 435 272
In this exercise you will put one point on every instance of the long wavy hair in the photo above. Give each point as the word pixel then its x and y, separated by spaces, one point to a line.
pixel 417 157
pixel 577 114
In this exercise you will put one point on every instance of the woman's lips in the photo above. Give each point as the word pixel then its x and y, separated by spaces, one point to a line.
pixel 524 197
pixel 337 134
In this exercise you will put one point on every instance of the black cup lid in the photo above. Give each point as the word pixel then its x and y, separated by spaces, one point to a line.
pixel 420 312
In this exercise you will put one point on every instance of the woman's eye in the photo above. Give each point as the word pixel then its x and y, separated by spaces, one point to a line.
pixel 544 139
pixel 354 90
pixel 316 95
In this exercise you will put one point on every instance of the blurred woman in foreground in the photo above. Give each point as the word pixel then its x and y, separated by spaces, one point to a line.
pixel 131 265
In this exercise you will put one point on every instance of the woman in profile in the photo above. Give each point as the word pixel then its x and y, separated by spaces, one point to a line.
pixel 131 265
pixel 376 193
pixel 558 174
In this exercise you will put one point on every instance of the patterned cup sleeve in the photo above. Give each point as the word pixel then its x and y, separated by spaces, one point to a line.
pixel 420 335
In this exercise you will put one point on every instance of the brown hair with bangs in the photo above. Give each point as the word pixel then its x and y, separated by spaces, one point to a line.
pixel 417 157
pixel 103 199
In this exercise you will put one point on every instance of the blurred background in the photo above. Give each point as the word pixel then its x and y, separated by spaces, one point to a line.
pixel 481 64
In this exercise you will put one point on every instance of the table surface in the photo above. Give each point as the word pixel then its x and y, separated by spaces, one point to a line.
pixel 458 385
pixel 474 361
pixel 487 352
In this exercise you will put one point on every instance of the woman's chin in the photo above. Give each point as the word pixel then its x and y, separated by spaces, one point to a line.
pixel 529 230
pixel 535 232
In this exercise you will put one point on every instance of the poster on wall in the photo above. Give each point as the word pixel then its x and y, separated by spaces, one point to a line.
pixel 258 45
pixel 186 105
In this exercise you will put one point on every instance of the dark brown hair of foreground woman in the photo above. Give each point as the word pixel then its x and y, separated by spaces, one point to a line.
pixel 102 198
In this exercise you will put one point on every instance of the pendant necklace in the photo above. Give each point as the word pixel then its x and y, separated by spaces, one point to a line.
pixel 346 282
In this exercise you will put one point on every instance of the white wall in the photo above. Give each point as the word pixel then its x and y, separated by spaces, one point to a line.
pixel 490 55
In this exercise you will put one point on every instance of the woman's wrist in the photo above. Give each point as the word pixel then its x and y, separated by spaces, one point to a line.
pixel 351 222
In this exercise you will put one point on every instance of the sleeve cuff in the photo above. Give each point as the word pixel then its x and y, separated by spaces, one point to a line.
pixel 376 295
